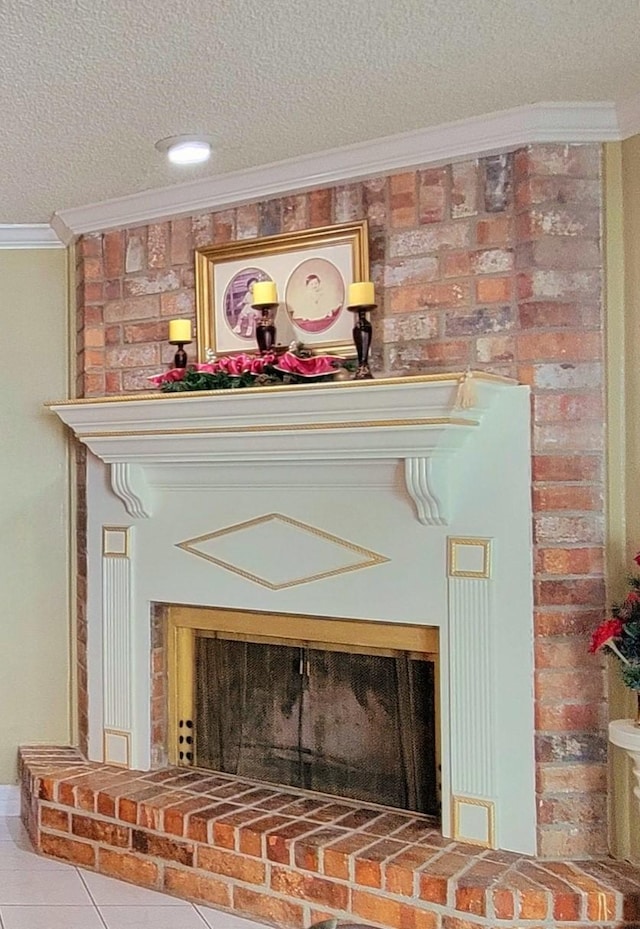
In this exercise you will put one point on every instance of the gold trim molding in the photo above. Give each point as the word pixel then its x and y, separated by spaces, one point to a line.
pixel 116 541
pixel 454 544
pixel 371 558
pixel 456 377
pixel 285 427
pixel 459 801
pixel 119 733
pixel 352 235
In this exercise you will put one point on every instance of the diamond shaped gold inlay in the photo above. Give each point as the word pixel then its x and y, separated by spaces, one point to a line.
pixel 277 551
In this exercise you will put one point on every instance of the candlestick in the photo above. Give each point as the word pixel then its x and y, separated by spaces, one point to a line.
pixel 265 298
pixel 361 332
pixel 180 335
pixel 265 327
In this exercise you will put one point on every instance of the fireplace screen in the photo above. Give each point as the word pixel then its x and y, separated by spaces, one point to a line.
pixel 358 724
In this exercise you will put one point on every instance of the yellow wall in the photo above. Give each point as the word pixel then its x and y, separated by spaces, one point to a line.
pixel 34 504
pixel 622 238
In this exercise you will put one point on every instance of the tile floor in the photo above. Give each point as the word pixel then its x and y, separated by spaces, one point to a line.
pixel 38 893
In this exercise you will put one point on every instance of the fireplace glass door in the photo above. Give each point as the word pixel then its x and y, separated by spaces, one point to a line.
pixel 357 723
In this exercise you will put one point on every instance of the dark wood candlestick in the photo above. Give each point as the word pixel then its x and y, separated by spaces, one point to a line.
pixel 362 331
pixel 265 327
pixel 180 357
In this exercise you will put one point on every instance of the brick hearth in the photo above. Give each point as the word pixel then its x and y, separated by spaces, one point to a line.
pixel 291 857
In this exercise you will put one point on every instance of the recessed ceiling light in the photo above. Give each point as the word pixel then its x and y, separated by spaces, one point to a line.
pixel 185 149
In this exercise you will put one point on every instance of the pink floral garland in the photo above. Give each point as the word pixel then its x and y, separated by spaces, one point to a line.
pixel 236 365
pixel 233 365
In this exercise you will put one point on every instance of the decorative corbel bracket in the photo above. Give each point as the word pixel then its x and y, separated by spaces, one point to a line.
pixel 129 483
pixel 428 488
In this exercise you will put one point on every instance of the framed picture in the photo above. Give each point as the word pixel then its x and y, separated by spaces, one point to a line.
pixel 311 269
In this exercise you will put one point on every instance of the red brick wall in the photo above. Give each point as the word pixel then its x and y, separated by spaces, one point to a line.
pixel 159 695
pixel 494 264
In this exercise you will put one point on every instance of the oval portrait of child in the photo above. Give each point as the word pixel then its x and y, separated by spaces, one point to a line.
pixel 240 316
pixel 314 295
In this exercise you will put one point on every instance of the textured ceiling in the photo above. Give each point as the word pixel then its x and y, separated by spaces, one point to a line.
pixel 88 86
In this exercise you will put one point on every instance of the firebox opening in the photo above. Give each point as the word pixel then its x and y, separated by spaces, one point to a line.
pixel 317 704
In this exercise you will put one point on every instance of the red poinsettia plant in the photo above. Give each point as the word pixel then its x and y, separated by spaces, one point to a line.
pixel 619 634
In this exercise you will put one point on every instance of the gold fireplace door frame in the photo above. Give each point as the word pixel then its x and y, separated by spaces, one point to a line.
pixel 184 622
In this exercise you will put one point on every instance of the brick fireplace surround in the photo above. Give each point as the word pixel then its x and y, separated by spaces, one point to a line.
pixel 496 264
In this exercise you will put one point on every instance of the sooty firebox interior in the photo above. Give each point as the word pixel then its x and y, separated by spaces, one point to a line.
pixel 346 720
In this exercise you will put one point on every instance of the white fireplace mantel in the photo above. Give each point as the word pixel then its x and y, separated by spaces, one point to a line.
pixel 303 501
pixel 422 421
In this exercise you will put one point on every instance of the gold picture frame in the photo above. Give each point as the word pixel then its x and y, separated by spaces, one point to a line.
pixel 312 270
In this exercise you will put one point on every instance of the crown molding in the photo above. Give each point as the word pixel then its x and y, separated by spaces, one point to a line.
pixel 36 235
pixel 628 113
pixel 477 136
pixel 63 233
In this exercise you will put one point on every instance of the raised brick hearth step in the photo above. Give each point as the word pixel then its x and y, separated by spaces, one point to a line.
pixel 292 858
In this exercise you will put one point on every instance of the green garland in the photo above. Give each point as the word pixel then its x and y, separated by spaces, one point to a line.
pixel 195 380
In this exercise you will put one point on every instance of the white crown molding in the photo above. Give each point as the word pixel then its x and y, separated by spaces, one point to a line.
pixel 36 235
pixel 61 230
pixel 628 113
pixel 479 135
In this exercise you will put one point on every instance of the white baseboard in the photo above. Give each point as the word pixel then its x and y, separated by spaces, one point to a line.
pixel 9 800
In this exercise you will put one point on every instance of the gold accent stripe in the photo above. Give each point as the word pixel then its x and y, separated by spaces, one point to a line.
pixel 454 543
pixel 330 385
pixel 286 427
pixel 119 734
pixel 488 805
pixel 125 533
pixel 370 558
pixel 308 579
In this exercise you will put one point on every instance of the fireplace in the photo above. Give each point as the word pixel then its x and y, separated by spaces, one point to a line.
pixel 344 708
pixel 392 505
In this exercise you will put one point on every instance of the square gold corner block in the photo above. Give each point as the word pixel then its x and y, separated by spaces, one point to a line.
pixel 115 541
pixel 469 557
pixel 116 747
pixel 473 821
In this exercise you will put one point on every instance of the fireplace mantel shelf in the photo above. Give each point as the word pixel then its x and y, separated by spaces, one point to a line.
pixel 422 421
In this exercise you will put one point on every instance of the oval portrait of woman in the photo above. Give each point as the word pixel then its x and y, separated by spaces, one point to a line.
pixel 240 316
pixel 314 295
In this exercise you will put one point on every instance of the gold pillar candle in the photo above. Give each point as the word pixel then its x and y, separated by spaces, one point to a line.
pixel 180 331
pixel 264 293
pixel 361 294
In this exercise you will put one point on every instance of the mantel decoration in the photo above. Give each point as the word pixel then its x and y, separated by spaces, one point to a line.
pixel 292 285
pixel 297 365
pixel 362 300
pixel 180 335
pixel 265 299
